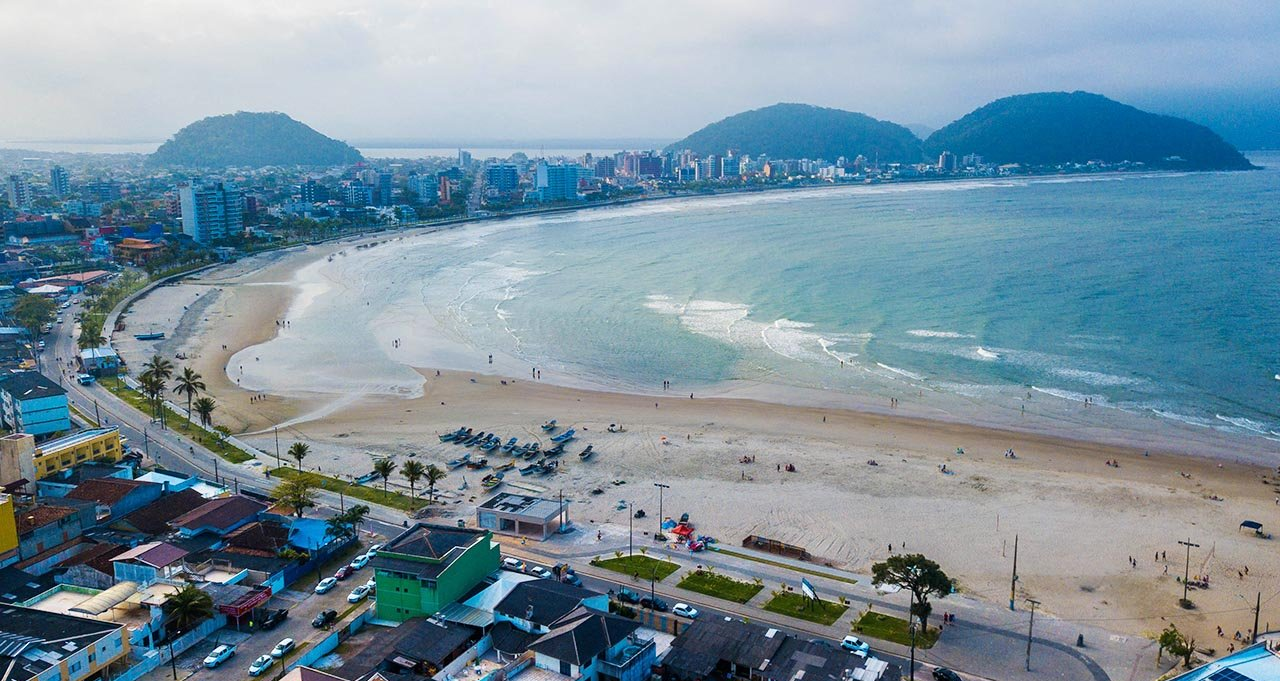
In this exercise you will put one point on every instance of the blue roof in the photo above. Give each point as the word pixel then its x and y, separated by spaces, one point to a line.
pixel 308 533
pixel 1254 663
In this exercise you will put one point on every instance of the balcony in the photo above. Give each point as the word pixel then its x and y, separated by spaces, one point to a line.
pixel 635 648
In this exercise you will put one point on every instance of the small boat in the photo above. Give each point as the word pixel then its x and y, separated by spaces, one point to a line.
pixel 548 467
pixel 155 335
pixel 448 437
pixel 478 464
pixel 505 467
pixel 549 425
pixel 511 444
pixel 492 444
pixel 586 453
pixel 565 436
pixel 476 439
pixel 530 469
pixel 462 460
pixel 556 450
pixel 531 453
pixel 491 480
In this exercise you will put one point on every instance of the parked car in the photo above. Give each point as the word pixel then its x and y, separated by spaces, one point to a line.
pixel 360 561
pixel 628 596
pixel 684 610
pixel 282 648
pixel 373 550
pixel 944 674
pixel 344 572
pixel 572 579
pixel 372 584
pixel 540 572
pixel 219 655
pixel 359 593
pixel 326 585
pixel 515 564
pixel 853 643
pixel 325 618
pixel 273 619
pixel 654 603
pixel 261 665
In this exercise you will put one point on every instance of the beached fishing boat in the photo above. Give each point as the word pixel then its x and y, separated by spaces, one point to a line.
pixel 556 450
pixel 478 464
pixel 157 335
pixel 491 480
pixel 530 469
pixel 476 439
pixel 454 463
pixel 565 436
pixel 505 467
pixel 491 444
pixel 549 425
pixel 586 453
pixel 511 444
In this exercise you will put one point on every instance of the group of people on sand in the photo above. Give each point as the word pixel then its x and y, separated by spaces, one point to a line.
pixel 1113 463
pixel 257 398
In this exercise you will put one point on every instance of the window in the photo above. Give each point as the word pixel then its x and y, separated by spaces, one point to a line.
pixel 74 668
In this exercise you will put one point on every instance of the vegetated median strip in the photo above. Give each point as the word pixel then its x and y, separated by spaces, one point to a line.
pixel 794 605
pixel 179 425
pixel 890 628
pixel 370 494
pixel 720 586
pixel 793 568
pixel 639 566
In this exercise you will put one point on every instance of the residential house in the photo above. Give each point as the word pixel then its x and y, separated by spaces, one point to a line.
pixel 418 648
pixel 102 361
pixel 116 497
pixel 147 563
pixel 218 516
pixel 8 531
pixel 62 482
pixel 537 604
pixel 589 645
pixel 153 519
pixel 430 566
pixel 1258 662
pixel 47 646
pixel 33 404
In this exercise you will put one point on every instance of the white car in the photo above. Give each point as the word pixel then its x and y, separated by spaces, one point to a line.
pixel 515 564
pixel 261 665
pixel 540 572
pixel 373 550
pixel 360 561
pixel 219 655
pixel 326 585
pixel 855 644
pixel 282 648
pixel 358 594
pixel 685 610
pixel 372 584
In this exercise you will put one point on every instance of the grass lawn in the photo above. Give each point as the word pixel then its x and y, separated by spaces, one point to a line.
pixel 795 605
pixel 888 628
pixel 638 565
pixel 787 566
pixel 720 586
pixel 372 495
pixel 178 424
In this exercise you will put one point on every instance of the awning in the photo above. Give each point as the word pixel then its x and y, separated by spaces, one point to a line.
pixel 106 600
pixel 460 613
pixel 1251 524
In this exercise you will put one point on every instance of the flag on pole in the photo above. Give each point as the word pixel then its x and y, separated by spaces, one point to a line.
pixel 807 589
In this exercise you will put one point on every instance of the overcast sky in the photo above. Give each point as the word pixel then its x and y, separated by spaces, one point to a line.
pixel 469 70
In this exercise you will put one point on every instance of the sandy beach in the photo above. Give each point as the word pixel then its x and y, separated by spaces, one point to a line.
pixel 1079 520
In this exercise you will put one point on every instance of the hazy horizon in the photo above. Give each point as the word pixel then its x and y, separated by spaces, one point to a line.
pixel 463 73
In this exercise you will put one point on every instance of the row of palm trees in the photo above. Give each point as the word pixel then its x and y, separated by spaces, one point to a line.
pixel 155 377
pixel 412 471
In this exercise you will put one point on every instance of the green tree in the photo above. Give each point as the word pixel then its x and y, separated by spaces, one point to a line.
pixel 384 468
pixel 297 493
pixel 90 332
pixel 204 407
pixel 1177 644
pixel 156 373
pixel 32 312
pixel 917 574
pixel 189 383
pixel 433 475
pixel 299 451
pixel 152 387
pixel 413 470
pixel 187 607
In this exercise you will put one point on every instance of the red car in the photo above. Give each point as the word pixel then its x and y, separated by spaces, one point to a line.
pixel 344 572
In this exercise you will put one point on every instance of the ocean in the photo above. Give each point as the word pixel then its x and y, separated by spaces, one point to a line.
pixel 1153 297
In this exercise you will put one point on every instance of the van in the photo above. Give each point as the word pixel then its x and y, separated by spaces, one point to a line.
pixel 84 379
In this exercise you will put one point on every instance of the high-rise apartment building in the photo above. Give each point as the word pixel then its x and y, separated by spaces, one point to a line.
pixel 503 177
pixel 211 212
pixel 59 181
pixel 19 192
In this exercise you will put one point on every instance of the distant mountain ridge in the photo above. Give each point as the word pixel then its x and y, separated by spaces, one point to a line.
pixel 804 131
pixel 252 139
pixel 1051 128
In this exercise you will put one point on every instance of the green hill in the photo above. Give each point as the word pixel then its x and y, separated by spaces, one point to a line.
pixel 250 139
pixel 805 131
pixel 1050 128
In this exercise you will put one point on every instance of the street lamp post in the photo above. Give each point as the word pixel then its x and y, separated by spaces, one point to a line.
pixel 1030 626
pixel 1186 573
pixel 631 532
pixel 276 430
pixel 659 536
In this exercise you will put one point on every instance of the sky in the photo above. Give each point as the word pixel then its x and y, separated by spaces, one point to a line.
pixel 527 70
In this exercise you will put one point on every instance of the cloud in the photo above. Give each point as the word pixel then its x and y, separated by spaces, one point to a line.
pixel 452 68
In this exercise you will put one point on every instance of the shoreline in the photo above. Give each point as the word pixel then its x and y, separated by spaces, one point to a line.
pixel 1057 492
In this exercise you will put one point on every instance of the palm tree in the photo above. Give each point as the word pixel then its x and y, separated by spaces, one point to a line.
pixel 413 470
pixel 204 407
pixel 384 468
pixel 160 370
pixel 296 493
pixel 355 516
pixel 152 387
pixel 90 334
pixel 189 383
pixel 299 451
pixel 187 607
pixel 159 366
pixel 434 474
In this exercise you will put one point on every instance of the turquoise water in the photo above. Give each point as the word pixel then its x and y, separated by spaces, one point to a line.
pixel 1154 296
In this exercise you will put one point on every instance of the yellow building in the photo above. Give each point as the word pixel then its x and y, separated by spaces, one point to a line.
pixel 20 458
pixel 8 531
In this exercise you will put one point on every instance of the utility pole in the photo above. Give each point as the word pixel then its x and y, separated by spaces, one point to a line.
pixel 1013 583
pixel 631 532
pixel 1256 608
pixel 216 480
pixel 146 442
pixel 97 416
pixel 1030 627
pixel 1186 573
pixel 659 536
pixel 276 429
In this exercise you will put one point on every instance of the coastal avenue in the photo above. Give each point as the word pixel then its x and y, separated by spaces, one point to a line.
pixel 987 638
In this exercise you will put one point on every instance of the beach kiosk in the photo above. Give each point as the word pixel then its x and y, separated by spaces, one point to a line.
pixel 1256 527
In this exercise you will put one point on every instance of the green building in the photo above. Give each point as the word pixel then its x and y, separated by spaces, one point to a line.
pixel 430 566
